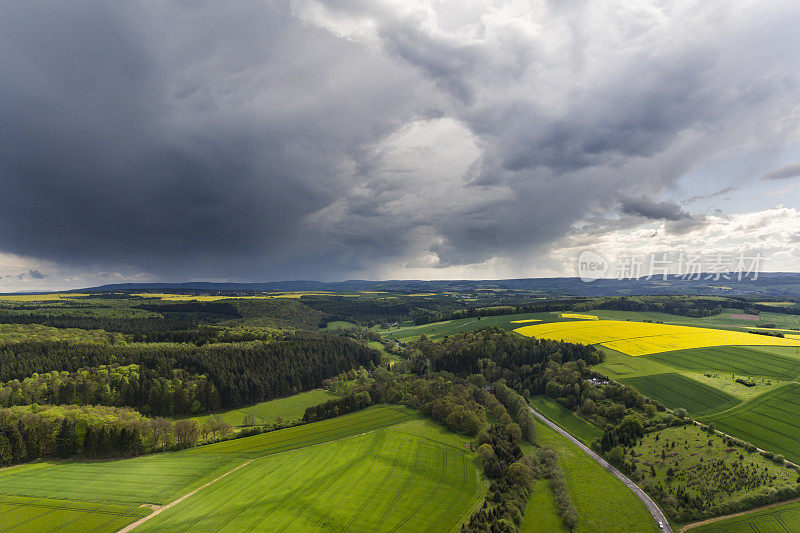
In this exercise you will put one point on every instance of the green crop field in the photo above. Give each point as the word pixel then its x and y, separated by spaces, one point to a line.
pixel 602 501
pixel 770 421
pixel 290 408
pixel 150 479
pixel 562 416
pixel 21 514
pixel 740 360
pixel 437 330
pixel 380 468
pixel 675 390
pixel 160 478
pixel 309 434
pixel 784 518
pixel 386 480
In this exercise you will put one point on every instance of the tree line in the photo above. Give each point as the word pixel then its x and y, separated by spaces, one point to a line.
pixel 30 432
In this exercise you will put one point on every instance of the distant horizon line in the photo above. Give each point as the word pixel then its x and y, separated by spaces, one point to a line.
pixel 185 284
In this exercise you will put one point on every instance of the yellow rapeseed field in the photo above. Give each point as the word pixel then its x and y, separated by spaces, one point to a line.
pixel 526 320
pixel 578 316
pixel 643 338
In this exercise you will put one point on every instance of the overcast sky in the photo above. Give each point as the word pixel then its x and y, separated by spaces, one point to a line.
pixel 374 139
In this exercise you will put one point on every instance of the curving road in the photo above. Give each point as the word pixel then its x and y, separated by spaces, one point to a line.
pixel 642 495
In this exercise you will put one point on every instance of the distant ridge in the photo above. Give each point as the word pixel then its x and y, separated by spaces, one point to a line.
pixel 767 284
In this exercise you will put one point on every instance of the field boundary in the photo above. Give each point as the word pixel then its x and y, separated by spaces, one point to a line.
pixel 687 527
pixel 163 508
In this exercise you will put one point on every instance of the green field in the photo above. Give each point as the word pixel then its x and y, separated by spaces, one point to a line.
pixel 602 501
pixel 155 479
pixel 675 390
pixel 160 478
pixel 770 421
pixel 290 408
pixel 21 514
pixel 562 416
pixel 309 434
pixel 390 480
pixel 784 518
pixel 381 468
pixel 437 330
pixel 338 325
pixel 722 320
pixel 746 361
pixel 541 514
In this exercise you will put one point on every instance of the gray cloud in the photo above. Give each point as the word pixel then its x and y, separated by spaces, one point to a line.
pixel 791 170
pixel 255 142
pixel 715 194
pixel 35 274
pixel 643 207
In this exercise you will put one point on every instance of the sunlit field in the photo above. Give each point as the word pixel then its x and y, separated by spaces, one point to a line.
pixel 642 338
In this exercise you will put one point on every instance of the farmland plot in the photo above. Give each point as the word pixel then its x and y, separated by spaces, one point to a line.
pixel 643 338
pixel 21 514
pixel 770 421
pixel 783 518
pixel 382 481
pixel 733 359
pixel 675 390
pixel 383 468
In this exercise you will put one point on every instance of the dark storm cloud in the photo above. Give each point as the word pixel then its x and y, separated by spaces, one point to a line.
pixel 35 274
pixel 259 141
pixel 643 207
pixel 179 137
pixel 785 172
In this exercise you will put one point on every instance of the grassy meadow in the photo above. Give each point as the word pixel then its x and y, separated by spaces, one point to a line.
pixel 290 408
pixel 705 467
pixel 562 416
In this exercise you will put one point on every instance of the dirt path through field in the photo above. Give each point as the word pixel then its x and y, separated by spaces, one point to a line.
pixel 160 510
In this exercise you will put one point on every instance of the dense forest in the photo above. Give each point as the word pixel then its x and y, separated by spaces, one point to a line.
pixel 172 377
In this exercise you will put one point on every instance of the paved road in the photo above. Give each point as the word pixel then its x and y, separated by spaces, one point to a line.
pixel 642 495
